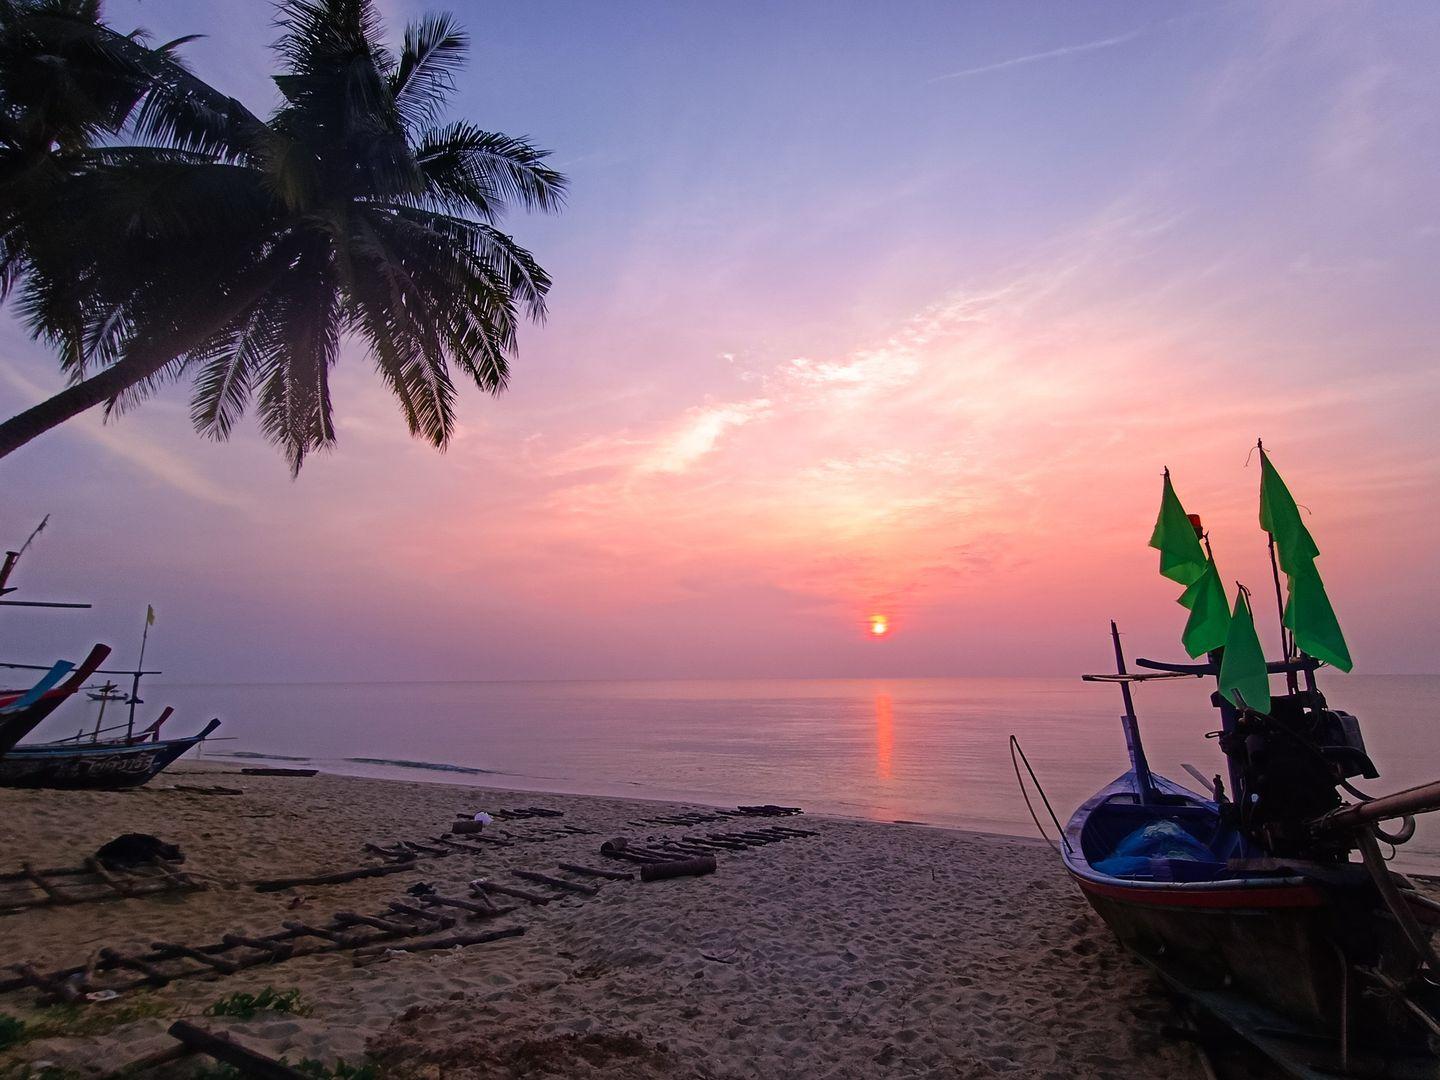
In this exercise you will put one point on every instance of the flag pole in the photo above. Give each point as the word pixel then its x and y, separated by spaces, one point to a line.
pixel 135 680
pixel 1286 640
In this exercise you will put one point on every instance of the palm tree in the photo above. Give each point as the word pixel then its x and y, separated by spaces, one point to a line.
pixel 242 253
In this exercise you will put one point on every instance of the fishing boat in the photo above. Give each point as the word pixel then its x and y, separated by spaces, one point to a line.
pixel 101 765
pixel 21 711
pixel 1248 897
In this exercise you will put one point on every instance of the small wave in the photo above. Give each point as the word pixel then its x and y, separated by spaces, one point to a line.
pixel 262 757
pixel 432 765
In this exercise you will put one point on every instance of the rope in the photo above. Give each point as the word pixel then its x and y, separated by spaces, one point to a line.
pixel 1015 749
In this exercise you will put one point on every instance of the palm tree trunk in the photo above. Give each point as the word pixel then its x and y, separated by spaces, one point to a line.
pixel 140 364
pixel 73 400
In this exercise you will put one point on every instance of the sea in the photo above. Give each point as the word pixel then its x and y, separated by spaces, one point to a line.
pixel 933 751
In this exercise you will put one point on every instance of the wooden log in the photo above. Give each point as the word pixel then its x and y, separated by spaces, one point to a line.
pixel 390 852
pixel 269 771
pixel 680 868
pixel 314 931
pixel 96 867
pixel 224 1049
pixel 725 842
pixel 225 967
pixel 436 922
pixel 467 827
pixel 595 871
pixel 557 883
pixel 481 907
pixel 497 840
pixel 278 950
pixel 57 986
pixel 276 884
pixel 134 963
pixel 56 897
pixel 352 918
pixel 455 941
pixel 482 886
pixel 439 853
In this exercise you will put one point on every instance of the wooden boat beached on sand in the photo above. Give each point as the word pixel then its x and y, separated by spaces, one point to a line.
pixel 1246 899
pixel 94 765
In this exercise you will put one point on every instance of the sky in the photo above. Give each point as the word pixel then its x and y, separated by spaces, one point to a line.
pixel 859 309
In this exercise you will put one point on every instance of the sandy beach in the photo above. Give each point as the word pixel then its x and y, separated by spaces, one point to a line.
pixel 866 950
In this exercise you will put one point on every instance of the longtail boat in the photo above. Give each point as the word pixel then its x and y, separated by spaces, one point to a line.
pixel 101 765
pixel 22 711
pixel 1248 898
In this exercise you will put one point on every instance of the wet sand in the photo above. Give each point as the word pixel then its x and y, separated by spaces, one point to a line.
pixel 868 950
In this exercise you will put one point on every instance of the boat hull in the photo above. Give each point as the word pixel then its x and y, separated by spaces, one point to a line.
pixel 100 766
pixel 1293 942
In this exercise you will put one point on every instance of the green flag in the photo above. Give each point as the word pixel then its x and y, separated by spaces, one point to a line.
pixel 1181 557
pixel 1242 668
pixel 1209 613
pixel 1312 620
pixel 1280 517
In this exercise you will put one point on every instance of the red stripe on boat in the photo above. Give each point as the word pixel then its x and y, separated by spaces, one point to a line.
pixel 1275 896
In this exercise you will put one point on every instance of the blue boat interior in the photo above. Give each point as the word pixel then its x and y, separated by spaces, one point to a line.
pixel 1168 839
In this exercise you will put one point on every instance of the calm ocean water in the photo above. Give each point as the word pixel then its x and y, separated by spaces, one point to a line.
pixel 931 750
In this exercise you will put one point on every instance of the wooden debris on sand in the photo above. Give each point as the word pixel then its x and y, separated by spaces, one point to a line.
pixel 268 770
pixel 113 970
pixel 704 864
pixel 29 887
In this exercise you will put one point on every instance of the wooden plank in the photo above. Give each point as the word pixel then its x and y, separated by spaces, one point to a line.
pixel 595 871
pixel 56 897
pixel 224 1049
pixel 352 918
pixel 483 886
pixel 134 963
pixel 276 884
pixel 557 883
pixel 481 907
pixel 682 868
pixel 455 941
pixel 225 967
pixel 99 870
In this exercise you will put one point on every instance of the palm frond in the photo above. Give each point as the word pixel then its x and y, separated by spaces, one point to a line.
pixel 480 171
pixel 424 77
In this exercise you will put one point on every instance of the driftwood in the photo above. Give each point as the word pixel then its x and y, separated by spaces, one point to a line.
pixel 439 922
pixel 705 864
pixel 198 789
pixel 483 906
pixel 276 884
pixel 557 883
pixel 169 961
pixel 457 941
pixel 595 871
pixel 482 886
pixel 223 1048
pixel 224 967
pixel 269 771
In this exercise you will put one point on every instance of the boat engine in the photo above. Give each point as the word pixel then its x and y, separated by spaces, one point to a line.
pixel 1290 763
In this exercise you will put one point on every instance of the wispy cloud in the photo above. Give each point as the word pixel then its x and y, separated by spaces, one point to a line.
pixel 137 449
pixel 1035 58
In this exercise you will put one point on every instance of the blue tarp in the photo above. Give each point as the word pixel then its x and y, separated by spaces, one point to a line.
pixel 1157 840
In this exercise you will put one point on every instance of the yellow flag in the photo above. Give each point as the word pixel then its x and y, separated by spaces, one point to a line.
pixel 149 615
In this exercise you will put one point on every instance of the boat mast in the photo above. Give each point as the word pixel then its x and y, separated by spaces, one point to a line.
pixel 1132 725
pixel 1287 640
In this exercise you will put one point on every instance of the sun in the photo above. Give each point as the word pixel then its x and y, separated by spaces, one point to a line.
pixel 879 625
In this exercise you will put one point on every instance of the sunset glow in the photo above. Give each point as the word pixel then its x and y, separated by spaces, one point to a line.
pixel 1042 283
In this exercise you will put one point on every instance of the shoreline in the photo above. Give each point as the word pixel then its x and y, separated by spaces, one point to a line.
pixel 451 775
pixel 867 949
